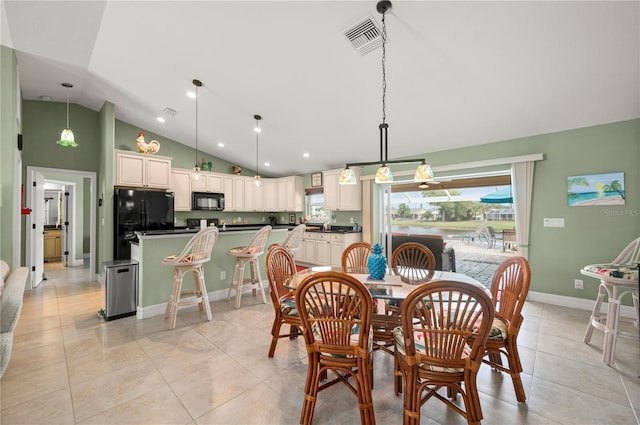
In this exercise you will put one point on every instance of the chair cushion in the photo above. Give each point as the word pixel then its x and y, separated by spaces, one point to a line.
pixel 398 335
pixel 288 307
pixel 498 329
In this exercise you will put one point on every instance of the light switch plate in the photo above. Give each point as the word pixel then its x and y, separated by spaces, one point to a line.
pixel 553 222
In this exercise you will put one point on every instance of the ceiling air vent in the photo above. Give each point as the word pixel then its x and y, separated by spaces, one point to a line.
pixel 170 112
pixel 365 35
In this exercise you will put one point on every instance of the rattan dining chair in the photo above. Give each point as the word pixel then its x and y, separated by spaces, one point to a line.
pixel 195 253
pixel 509 289
pixel 335 310
pixel 280 268
pixel 355 256
pixel 414 261
pixel 433 348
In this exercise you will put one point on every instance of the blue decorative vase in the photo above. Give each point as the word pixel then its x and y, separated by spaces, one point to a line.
pixel 377 263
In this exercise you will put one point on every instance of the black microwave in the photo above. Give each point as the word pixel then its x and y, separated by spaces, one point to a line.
pixel 209 201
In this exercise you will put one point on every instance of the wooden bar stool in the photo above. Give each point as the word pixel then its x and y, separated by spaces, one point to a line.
pixel 248 255
pixel 197 252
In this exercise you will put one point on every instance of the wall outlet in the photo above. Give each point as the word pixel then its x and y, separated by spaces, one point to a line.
pixel 223 275
pixel 264 219
pixel 351 220
pixel 578 284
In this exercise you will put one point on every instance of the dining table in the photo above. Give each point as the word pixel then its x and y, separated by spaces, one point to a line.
pixel 394 286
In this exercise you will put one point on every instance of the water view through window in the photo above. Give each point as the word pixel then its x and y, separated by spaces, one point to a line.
pixel 452 213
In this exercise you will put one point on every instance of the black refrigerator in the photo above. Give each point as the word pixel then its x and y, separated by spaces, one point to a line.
pixel 139 210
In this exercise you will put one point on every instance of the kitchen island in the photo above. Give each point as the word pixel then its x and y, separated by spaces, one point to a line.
pixel 155 279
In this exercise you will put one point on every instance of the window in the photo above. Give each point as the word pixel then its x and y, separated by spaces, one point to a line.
pixel 315 208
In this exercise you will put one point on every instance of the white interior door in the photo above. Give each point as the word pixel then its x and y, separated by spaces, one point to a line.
pixel 37 229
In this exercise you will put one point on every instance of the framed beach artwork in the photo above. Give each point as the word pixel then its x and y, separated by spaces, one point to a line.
pixel 596 189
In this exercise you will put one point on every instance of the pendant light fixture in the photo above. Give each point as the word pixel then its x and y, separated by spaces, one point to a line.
pixel 258 130
pixel 66 138
pixel 196 168
pixel 383 174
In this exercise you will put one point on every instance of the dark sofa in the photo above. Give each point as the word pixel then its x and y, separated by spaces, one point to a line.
pixel 445 257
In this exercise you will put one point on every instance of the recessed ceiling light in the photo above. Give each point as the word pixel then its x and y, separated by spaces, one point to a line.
pixel 191 95
pixel 45 98
pixel 266 164
pixel 306 155
pixel 160 119
pixel 220 145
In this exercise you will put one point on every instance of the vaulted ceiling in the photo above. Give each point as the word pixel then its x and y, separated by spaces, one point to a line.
pixel 458 73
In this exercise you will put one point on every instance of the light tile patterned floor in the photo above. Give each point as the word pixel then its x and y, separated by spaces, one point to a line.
pixel 70 367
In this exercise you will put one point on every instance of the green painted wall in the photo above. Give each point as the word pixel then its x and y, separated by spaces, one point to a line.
pixel 104 191
pixel 183 155
pixel 156 279
pixel 86 219
pixel 43 122
pixel 8 138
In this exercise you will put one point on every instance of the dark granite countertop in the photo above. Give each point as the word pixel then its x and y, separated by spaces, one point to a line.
pixel 334 229
pixel 228 228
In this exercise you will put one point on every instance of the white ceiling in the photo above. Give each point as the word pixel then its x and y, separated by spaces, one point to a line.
pixel 458 73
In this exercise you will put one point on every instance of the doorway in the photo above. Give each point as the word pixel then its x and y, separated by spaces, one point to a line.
pixel 72 206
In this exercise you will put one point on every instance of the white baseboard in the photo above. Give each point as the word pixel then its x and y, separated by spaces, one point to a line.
pixel 159 309
pixel 579 303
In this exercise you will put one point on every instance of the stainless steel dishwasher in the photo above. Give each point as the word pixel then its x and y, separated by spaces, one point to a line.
pixel 121 289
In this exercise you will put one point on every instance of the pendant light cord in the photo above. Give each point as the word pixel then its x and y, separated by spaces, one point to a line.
pixel 67 107
pixel 196 125
pixel 257 156
pixel 384 73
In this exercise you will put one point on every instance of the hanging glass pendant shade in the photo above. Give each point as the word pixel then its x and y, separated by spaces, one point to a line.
pixel 347 176
pixel 66 137
pixel 384 175
pixel 423 173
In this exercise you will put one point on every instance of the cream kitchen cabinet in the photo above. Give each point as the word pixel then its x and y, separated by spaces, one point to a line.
pixel 293 193
pixel 233 189
pixel 271 189
pixel 342 197
pixel 253 195
pixel 139 170
pixel 208 182
pixel 316 248
pixel 181 187
pixel 283 194
pixel 325 249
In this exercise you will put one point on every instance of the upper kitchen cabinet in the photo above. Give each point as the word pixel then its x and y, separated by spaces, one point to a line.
pixel 271 199
pixel 208 182
pixel 181 187
pixel 283 194
pixel 253 195
pixel 233 189
pixel 293 193
pixel 139 170
pixel 342 197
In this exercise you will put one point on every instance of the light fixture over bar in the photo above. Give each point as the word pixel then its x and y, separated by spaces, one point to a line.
pixel 383 174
